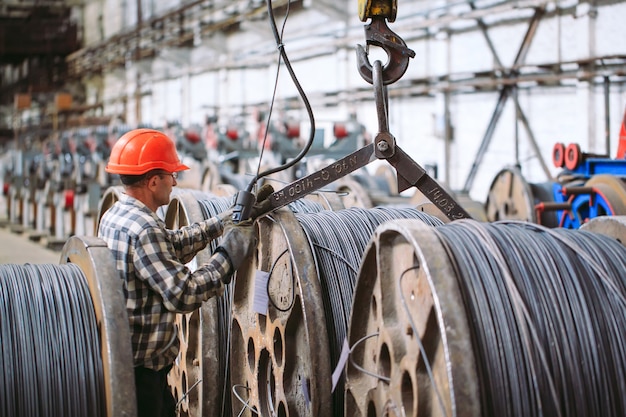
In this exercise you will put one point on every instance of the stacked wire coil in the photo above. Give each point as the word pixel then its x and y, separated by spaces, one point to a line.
pixel 338 240
pixel 478 319
pixel 284 351
pixel 212 206
pixel 198 376
pixel 549 311
pixel 50 345
pixel 201 380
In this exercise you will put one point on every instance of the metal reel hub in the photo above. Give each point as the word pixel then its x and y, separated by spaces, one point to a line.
pixel 279 358
pixel 410 340
pixel 510 198
pixel 96 261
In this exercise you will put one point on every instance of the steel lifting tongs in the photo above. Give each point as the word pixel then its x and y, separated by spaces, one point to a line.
pixel 409 173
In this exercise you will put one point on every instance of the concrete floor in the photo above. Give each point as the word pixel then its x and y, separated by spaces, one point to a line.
pixel 17 248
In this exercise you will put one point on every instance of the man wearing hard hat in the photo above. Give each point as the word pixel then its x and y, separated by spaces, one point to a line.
pixel 151 259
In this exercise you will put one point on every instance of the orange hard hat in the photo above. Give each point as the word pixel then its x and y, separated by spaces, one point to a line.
pixel 141 150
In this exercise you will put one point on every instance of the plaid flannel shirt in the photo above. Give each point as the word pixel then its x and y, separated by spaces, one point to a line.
pixel 157 284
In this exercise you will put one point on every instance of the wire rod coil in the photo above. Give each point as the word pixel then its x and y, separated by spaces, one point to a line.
pixel 198 378
pixel 338 240
pixel 541 313
pixel 205 334
pixel 408 327
pixel 282 356
pixel 94 258
pixel 64 337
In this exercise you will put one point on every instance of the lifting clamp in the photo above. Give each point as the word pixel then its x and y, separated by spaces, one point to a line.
pixel 409 172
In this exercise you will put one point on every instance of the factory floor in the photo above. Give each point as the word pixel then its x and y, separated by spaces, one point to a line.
pixel 18 248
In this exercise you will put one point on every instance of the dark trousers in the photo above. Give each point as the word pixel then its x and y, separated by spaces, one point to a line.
pixel 154 398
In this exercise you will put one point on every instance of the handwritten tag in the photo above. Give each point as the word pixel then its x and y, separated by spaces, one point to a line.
pixel 261 299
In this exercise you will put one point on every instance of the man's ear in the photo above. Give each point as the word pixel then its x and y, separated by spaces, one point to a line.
pixel 152 181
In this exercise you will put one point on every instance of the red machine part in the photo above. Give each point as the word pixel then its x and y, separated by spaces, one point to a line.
pixel 293 130
pixel 558 155
pixel 5 189
pixel 340 130
pixel 192 136
pixel 69 199
pixel 232 133
pixel 621 147
pixel 573 156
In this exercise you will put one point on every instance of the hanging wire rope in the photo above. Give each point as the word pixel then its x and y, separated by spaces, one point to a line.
pixel 338 240
pixel 50 348
pixel 548 314
pixel 278 36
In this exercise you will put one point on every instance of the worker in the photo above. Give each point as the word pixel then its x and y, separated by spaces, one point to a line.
pixel 151 259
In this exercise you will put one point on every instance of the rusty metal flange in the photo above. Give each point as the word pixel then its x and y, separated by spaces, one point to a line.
pixel 510 198
pixel 407 293
pixel 279 360
pixel 612 226
pixel 613 190
pixel 96 261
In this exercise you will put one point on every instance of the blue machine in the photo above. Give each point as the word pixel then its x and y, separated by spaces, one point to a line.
pixel 595 187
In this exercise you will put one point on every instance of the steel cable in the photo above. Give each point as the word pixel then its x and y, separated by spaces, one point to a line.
pixel 548 315
pixel 211 206
pixel 50 343
pixel 338 240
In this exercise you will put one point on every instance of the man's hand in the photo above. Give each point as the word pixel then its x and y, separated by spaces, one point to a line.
pixel 260 207
pixel 262 204
pixel 238 242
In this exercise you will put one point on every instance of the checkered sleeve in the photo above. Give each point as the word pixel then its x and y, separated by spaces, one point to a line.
pixel 189 240
pixel 181 290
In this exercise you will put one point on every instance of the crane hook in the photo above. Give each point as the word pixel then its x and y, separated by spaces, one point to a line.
pixel 377 33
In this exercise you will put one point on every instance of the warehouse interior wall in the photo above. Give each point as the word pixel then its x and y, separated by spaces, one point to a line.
pixel 572 67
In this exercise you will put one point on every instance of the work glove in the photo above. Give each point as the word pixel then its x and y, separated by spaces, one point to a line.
pixel 238 242
pixel 263 203
pixel 261 206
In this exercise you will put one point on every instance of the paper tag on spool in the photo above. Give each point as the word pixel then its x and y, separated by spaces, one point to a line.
pixel 261 299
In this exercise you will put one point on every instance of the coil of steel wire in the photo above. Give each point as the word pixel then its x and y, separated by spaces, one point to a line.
pixel 282 355
pixel 49 342
pixel 200 378
pixel 65 343
pixel 199 374
pixel 339 240
pixel 476 319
